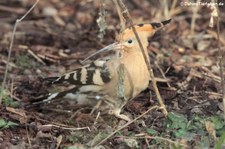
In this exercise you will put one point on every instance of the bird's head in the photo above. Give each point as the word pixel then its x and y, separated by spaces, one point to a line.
pixel 127 40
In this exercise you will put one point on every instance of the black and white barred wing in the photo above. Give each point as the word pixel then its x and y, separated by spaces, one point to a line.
pixel 95 73
pixel 88 80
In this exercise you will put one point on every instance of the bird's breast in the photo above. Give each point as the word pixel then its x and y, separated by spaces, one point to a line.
pixel 137 75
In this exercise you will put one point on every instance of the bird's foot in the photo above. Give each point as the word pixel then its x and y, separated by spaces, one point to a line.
pixel 116 112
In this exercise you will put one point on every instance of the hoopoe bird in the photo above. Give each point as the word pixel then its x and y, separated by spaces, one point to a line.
pixel 98 80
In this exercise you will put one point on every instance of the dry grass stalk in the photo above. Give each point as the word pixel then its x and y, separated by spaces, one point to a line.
pixel 127 124
pixel 122 20
pixel 194 17
pixel 10 49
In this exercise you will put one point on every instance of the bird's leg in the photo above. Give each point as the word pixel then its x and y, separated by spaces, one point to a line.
pixel 116 112
pixel 104 101
pixel 96 106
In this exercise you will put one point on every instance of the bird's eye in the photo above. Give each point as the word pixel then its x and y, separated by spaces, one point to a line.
pixel 130 41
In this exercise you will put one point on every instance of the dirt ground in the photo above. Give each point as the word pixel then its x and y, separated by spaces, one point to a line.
pixel 57 35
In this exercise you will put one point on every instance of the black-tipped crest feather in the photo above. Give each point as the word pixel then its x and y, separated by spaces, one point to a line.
pixel 158 25
pixel 166 21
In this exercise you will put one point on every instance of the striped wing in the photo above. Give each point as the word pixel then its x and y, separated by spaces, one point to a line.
pixel 95 73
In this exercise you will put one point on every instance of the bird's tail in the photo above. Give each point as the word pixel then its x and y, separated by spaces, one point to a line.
pixel 82 97
pixel 52 96
pixel 50 80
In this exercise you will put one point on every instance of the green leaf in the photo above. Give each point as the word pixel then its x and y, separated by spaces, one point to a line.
pixel 220 132
pixel 119 133
pixel 176 146
pixel 176 121
pixel 11 124
pixel 9 102
pixel 180 133
pixel 14 104
pixel 176 117
pixel 130 133
pixel 3 123
pixel 151 131
pixel 218 121
pixel 221 141
pixel 204 143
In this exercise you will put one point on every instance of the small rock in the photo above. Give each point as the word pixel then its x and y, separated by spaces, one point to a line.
pixel 49 11
pixel 1 140
pixel 14 140
pixel 181 50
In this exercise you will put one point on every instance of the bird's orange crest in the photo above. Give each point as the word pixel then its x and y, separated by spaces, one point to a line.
pixel 148 29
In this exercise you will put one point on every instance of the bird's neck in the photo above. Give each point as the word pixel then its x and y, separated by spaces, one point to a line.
pixel 137 53
pixel 132 55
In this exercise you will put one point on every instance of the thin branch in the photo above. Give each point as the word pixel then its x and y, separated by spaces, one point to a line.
pixel 166 8
pixel 67 128
pixel 194 16
pixel 122 20
pixel 28 137
pixel 172 7
pixel 128 18
pixel 61 126
pixel 10 49
pixel 127 124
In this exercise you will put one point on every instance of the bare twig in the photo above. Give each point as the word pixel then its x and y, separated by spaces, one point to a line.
pixel 9 63
pixel 128 18
pixel 28 138
pixel 194 16
pixel 95 122
pixel 59 141
pixel 122 20
pixel 127 124
pixel 67 128
pixel 62 126
pixel 166 8
pixel 10 48
pixel 12 10
pixel 35 56
pixel 172 8
pixel 163 74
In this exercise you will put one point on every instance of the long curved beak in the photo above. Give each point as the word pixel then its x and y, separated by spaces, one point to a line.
pixel 110 47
